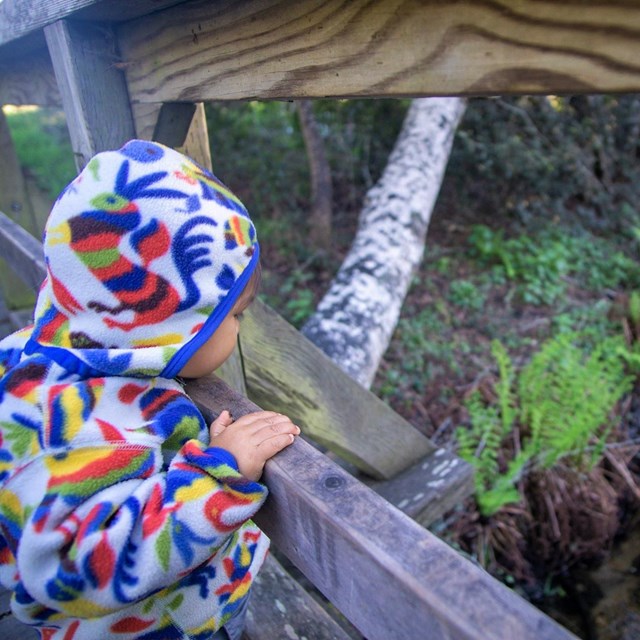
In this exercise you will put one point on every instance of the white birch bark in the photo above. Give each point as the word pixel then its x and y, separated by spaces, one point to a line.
pixel 354 321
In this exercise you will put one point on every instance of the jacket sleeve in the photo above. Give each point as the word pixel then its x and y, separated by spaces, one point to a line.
pixel 115 525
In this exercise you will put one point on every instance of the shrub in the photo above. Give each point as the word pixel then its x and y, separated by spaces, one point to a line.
pixel 559 407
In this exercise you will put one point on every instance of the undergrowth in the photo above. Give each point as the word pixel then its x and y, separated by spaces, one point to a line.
pixel 43 147
pixel 543 263
pixel 559 407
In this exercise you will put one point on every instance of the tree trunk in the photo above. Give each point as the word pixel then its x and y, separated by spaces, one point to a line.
pixel 356 318
pixel 321 184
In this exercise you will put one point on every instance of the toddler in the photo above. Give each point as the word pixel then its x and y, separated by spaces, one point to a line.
pixel 121 514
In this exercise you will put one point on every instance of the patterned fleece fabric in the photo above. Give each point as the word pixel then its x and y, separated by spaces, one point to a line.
pixel 117 520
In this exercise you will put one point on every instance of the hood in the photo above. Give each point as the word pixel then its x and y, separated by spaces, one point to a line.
pixel 146 253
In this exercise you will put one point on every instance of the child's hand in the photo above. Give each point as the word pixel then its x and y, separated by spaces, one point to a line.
pixel 252 439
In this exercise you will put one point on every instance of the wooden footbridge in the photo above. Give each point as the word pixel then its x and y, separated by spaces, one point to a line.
pixel 143 68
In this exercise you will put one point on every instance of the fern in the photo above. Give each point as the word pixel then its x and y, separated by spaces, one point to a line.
pixel 481 444
pixel 506 399
pixel 634 308
pixel 564 399
pixel 566 396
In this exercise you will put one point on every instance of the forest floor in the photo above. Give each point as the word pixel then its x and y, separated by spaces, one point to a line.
pixel 441 353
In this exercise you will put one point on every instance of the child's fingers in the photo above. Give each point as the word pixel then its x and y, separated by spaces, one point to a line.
pixel 268 430
pixel 220 423
pixel 259 419
pixel 274 444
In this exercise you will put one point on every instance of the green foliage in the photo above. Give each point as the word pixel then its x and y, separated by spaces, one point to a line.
pixel 43 147
pixel 560 405
pixel 566 396
pixel 257 148
pixel 542 262
pixel 634 308
pixel 538 158
pixel 481 445
pixel 465 294
pixel 420 349
pixel 299 301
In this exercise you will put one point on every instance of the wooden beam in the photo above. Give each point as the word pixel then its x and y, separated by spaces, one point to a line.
pixel 93 89
pixel 29 79
pixel 280 49
pixel 196 144
pixel 173 123
pixel 427 490
pixel 145 117
pixel 20 18
pixel 389 576
pixel 22 251
pixel 280 608
pixel 286 372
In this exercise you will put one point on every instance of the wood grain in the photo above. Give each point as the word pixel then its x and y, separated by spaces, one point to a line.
pixel 285 372
pixel 279 49
pixel 19 18
pixel 280 608
pixel 433 486
pixel 22 251
pixel 93 90
pixel 388 575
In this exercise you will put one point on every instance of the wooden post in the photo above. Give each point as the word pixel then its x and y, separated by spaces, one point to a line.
pixel 93 89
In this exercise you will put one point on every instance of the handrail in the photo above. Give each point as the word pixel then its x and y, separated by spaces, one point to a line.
pixel 389 576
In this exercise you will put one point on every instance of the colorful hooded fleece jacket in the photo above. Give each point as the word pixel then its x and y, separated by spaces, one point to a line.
pixel 117 520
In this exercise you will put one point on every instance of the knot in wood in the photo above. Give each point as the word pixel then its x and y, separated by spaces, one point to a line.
pixel 333 483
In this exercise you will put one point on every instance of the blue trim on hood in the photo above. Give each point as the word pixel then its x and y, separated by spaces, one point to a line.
pixel 222 310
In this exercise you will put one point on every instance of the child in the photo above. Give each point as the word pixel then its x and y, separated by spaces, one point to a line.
pixel 121 514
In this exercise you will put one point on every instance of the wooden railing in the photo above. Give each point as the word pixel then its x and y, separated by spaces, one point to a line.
pixel 122 69
pixel 388 575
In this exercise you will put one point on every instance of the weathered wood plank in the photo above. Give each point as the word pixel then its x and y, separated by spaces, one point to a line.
pixel 10 628
pixel 286 372
pixel 22 252
pixel 19 18
pixel 280 608
pixel 430 488
pixel 145 117
pixel 173 123
pixel 389 576
pixel 93 90
pixel 278 49
pixel 196 145
pixel 28 79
